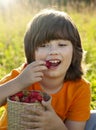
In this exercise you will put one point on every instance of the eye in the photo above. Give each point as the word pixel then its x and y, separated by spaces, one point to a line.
pixel 62 44
pixel 44 45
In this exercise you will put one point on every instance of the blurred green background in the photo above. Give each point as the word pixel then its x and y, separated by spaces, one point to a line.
pixel 14 16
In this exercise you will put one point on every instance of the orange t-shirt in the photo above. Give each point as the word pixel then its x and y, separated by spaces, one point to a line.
pixel 71 102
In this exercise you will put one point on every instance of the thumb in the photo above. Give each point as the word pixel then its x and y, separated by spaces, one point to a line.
pixel 47 105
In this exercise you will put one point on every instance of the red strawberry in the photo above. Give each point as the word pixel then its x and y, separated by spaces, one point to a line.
pixel 14 98
pixel 30 96
pixel 33 100
pixel 48 64
pixel 19 94
pixel 36 95
pixel 25 99
pixel 39 98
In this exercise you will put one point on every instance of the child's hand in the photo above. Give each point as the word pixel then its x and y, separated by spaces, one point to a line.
pixel 42 119
pixel 32 73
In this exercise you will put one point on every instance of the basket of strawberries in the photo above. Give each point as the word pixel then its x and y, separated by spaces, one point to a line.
pixel 18 102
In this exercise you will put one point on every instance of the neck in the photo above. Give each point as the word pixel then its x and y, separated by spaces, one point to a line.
pixel 51 85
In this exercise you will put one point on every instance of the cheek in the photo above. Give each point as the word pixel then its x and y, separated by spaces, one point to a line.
pixel 68 56
pixel 40 55
pixel 68 52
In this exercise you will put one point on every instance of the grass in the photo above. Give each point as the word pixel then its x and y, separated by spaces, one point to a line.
pixel 1 110
pixel 12 27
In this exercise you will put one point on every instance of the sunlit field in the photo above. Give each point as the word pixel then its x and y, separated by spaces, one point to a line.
pixel 13 21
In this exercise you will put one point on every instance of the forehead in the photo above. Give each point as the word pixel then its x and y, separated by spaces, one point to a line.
pixel 58 41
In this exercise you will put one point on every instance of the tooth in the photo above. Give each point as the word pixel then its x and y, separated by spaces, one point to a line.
pixel 55 61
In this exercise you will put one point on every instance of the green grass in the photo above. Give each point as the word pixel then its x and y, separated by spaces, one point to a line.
pixel 87 28
pixel 1 110
pixel 12 28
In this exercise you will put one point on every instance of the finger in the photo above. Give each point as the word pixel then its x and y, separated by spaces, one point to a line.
pixel 39 68
pixel 31 124
pixel 33 129
pixel 28 117
pixel 47 105
pixel 37 79
pixel 34 110
pixel 38 74
pixel 37 63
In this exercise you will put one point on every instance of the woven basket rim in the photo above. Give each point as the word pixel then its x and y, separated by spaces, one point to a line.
pixel 23 103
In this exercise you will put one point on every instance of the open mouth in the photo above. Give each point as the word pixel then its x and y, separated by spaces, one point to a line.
pixel 52 63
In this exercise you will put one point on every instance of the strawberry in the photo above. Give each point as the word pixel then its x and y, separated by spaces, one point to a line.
pixel 14 98
pixel 19 94
pixel 48 64
pixel 25 99
pixel 36 95
pixel 30 96
pixel 39 98
pixel 33 100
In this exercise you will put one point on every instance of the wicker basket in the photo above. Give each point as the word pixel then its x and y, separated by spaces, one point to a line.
pixel 14 110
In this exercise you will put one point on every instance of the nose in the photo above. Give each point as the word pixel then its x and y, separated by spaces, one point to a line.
pixel 53 51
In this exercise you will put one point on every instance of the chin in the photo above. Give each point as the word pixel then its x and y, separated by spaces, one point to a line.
pixel 52 74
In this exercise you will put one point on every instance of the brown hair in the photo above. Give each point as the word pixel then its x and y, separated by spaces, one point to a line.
pixel 51 25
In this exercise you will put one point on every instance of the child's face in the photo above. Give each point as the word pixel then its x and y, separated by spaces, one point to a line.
pixel 58 54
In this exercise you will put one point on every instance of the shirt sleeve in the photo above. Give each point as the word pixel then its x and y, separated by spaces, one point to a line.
pixel 12 74
pixel 80 107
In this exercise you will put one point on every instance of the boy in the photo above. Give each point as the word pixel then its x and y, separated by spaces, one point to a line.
pixel 53 54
